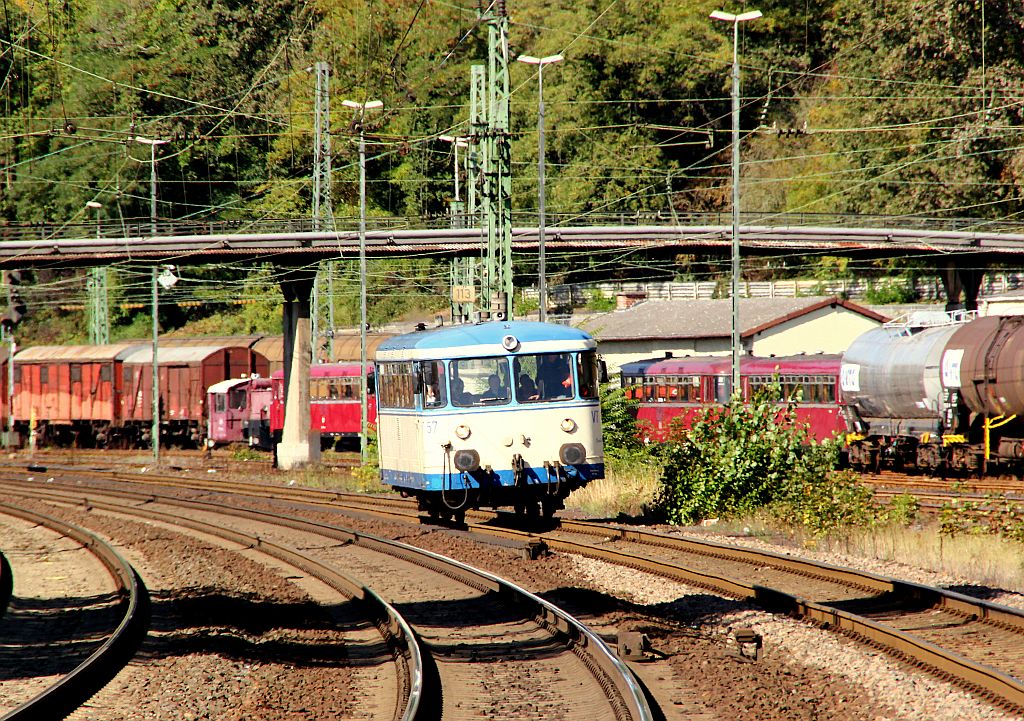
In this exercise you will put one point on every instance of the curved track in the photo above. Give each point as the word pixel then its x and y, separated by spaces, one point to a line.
pixel 551 643
pixel 978 644
pixel 128 606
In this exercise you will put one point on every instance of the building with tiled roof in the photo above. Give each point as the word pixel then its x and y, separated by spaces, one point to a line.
pixel 768 326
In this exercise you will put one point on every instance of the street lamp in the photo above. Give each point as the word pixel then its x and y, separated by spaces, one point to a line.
pixel 155 428
pixel 541 268
pixel 363 412
pixel 152 177
pixel 735 20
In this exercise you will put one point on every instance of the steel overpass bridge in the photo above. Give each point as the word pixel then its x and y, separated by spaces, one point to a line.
pixel 962 248
pixel 960 241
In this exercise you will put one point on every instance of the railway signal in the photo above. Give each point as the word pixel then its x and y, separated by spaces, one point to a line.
pixel 16 307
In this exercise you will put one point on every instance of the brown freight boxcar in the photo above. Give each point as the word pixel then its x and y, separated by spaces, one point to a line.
pixel 69 394
pixel 185 374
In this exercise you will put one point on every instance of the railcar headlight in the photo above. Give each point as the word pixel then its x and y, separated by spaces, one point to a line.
pixel 466 460
pixel 462 431
pixel 572 454
pixel 568 425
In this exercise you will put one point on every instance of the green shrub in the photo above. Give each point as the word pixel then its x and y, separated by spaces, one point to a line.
pixel 599 302
pixel 900 290
pixel 734 459
pixel 826 501
pixel 903 509
pixel 618 423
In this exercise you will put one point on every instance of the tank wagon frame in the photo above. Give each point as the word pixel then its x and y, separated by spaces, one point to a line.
pixel 943 398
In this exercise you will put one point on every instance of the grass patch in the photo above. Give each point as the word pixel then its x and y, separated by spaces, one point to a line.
pixel 629 488
pixel 986 560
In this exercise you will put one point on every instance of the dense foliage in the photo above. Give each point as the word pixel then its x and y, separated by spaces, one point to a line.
pixel 739 458
pixel 618 423
pixel 899 108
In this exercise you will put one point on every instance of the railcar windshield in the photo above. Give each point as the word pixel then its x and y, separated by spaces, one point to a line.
pixel 544 377
pixel 479 382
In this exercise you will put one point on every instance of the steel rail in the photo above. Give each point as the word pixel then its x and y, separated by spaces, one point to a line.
pixel 6 583
pixel 1002 687
pixel 624 691
pixel 394 629
pixel 991 682
pixel 75 687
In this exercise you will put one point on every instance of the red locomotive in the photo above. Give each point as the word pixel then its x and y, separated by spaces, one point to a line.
pixel 680 388
pixel 239 412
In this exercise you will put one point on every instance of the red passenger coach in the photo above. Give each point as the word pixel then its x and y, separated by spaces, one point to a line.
pixel 681 388
pixel 185 373
pixel 334 401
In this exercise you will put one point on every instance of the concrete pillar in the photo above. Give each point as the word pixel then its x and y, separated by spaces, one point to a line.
pixel 956 280
pixel 298 447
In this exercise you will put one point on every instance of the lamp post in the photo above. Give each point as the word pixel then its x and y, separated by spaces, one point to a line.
pixel 735 20
pixel 155 428
pixel 542 286
pixel 363 420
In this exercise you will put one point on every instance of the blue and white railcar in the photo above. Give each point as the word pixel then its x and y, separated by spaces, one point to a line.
pixel 502 413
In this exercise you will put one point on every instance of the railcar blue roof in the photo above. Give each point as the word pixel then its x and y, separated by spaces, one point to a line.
pixel 477 334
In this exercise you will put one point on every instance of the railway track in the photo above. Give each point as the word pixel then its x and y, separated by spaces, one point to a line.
pixel 456 628
pixel 219 459
pixel 81 663
pixel 977 643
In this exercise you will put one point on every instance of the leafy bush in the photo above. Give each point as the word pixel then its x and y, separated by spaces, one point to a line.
pixel 618 423
pixel 898 291
pixel 599 302
pixel 826 501
pixel 903 509
pixel 732 459
pixel 743 457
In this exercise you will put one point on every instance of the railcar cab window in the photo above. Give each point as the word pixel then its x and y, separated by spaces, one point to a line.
pixel 236 399
pixel 432 384
pixel 397 385
pixel 545 377
pixel 479 382
pixel 588 372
